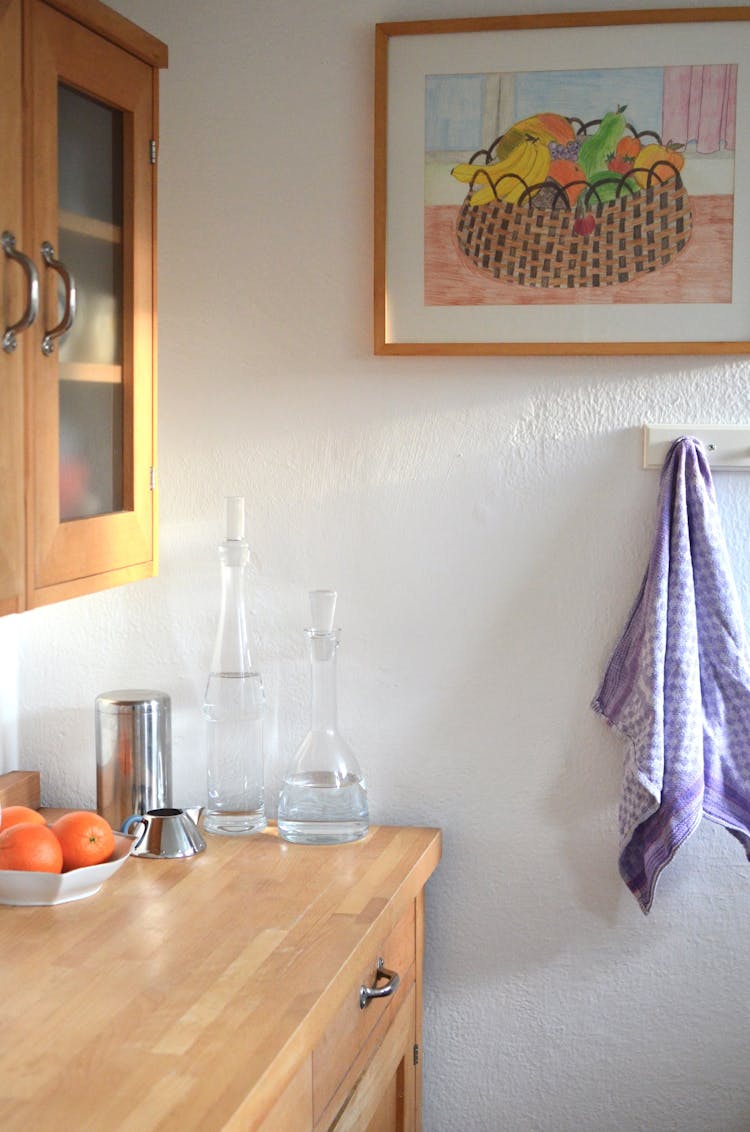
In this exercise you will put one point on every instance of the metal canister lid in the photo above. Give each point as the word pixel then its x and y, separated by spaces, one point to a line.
pixel 132 700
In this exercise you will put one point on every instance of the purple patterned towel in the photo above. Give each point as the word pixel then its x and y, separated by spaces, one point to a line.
pixel 678 683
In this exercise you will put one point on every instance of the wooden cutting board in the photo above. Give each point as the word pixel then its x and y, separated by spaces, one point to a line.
pixel 20 788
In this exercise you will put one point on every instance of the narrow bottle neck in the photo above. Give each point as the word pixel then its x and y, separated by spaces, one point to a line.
pixel 323 667
pixel 231 655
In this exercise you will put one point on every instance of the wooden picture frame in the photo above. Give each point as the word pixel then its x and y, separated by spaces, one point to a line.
pixel 479 249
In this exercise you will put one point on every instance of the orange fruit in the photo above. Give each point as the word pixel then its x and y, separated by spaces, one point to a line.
pixel 12 815
pixel 31 848
pixel 85 837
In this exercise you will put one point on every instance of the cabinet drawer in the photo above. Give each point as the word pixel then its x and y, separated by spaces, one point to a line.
pixel 383 1099
pixel 341 1055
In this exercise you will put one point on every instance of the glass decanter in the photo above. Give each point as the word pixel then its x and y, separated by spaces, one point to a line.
pixel 234 702
pixel 323 800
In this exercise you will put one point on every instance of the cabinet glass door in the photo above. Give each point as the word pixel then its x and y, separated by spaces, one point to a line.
pixel 92 405
pixel 90 233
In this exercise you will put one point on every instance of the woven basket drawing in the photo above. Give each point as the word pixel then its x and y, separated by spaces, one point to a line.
pixel 534 242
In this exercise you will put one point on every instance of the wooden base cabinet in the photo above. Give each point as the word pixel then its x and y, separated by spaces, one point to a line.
pixel 78 119
pixel 225 992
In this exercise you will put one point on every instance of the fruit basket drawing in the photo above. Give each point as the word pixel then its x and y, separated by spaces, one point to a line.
pixel 558 202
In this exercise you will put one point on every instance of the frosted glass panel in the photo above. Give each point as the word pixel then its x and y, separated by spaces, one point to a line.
pixel 90 448
pixel 96 336
pixel 90 156
pixel 90 236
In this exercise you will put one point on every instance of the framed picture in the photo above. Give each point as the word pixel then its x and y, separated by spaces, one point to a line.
pixel 576 183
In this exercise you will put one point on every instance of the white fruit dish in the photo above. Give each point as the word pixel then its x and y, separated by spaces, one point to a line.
pixel 30 888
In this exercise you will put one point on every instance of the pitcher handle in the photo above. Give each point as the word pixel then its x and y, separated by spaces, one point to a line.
pixel 126 826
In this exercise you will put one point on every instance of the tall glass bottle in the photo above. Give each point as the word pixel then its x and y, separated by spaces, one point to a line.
pixel 234 702
pixel 323 800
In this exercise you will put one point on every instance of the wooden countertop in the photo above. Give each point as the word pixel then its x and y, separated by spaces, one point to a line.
pixel 184 993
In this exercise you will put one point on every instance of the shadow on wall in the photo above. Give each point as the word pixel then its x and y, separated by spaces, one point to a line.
pixel 48 738
pixel 530 793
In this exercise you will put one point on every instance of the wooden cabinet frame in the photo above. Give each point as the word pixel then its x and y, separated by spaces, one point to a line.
pixel 83 44
pixel 11 308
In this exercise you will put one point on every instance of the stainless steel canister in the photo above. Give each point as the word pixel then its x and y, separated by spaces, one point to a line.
pixel 133 753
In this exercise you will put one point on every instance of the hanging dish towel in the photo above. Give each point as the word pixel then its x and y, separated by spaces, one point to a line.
pixel 678 683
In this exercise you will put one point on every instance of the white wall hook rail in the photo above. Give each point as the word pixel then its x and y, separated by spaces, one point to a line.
pixel 726 445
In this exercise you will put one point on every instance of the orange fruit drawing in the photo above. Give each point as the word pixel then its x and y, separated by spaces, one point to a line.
pixel 86 838
pixel 13 815
pixel 30 848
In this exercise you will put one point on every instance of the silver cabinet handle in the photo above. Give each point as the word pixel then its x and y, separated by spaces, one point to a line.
pixel 69 314
pixel 389 987
pixel 8 242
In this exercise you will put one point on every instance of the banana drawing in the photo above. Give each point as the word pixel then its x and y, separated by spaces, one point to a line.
pixel 527 164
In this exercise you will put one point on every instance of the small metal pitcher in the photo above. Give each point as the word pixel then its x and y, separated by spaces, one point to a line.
pixel 166 833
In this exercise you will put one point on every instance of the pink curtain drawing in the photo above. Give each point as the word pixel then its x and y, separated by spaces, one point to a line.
pixel 699 105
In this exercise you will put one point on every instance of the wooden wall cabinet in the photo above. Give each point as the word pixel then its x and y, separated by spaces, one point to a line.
pixel 79 134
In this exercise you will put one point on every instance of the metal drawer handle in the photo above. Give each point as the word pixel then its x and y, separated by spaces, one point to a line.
pixel 389 987
pixel 65 323
pixel 8 241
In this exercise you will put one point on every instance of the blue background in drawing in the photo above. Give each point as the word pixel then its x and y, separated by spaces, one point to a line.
pixel 453 103
pixel 590 94
pixel 453 111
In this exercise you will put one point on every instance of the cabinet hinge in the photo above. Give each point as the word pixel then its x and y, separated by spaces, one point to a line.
pixel 152 151
pixel 416 1054
pixel 152 479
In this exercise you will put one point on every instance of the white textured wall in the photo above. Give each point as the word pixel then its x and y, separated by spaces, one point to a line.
pixel 486 522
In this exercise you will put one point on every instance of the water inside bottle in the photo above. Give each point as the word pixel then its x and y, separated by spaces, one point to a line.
pixel 322 808
pixel 233 711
